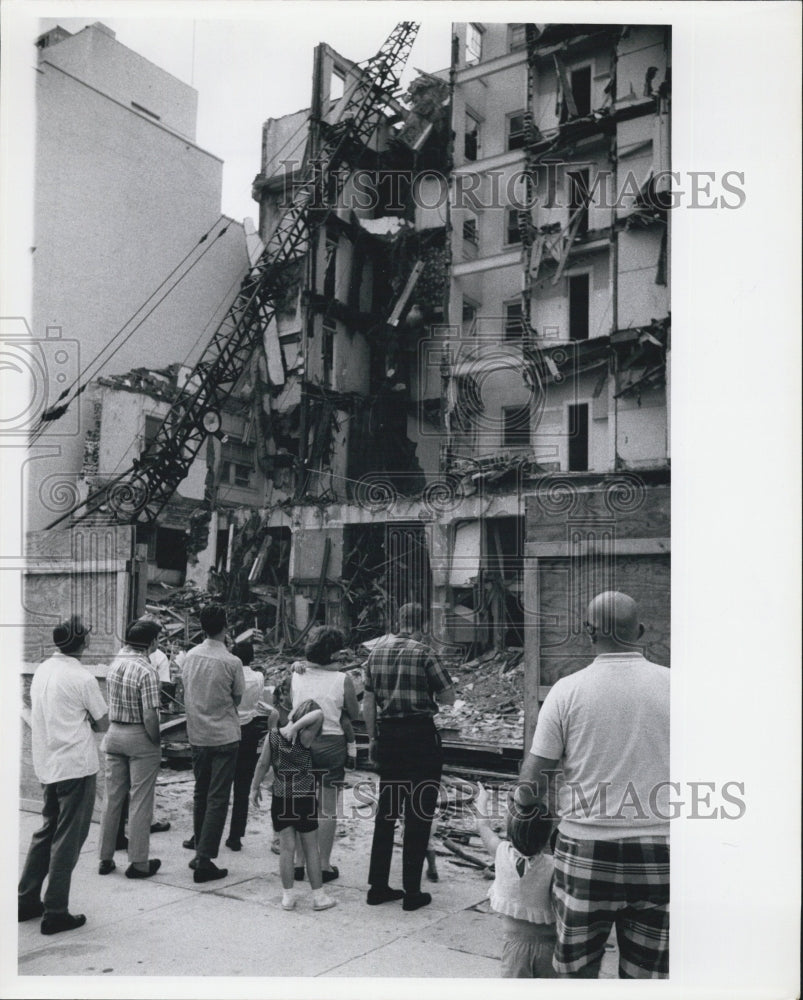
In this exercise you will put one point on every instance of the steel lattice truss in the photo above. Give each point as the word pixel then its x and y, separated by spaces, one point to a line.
pixel 140 493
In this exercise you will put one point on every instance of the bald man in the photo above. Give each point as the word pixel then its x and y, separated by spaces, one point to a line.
pixel 605 731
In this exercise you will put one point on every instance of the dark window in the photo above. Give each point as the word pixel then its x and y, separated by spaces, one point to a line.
pixel 512 233
pixel 328 348
pixel 581 90
pixel 579 197
pixel 152 425
pixel 514 325
pixel 515 130
pixel 469 316
pixel 471 229
pixel 578 437
pixel 578 307
pixel 331 267
pixel 516 421
pixel 171 549
pixel 471 138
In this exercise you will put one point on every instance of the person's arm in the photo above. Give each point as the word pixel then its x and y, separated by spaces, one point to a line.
pixel 534 779
pixel 150 720
pixel 369 715
pixel 350 703
pixel 259 774
pixel 446 697
pixel 482 821
pixel 238 683
pixel 305 728
pixel 99 725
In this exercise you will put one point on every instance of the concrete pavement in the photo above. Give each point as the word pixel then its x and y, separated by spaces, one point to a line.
pixel 169 926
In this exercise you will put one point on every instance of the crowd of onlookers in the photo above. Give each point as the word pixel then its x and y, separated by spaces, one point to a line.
pixel 559 889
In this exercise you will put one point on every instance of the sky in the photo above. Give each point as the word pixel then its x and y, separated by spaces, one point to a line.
pixel 249 69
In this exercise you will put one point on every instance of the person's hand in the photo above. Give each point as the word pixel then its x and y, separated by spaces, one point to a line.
pixel 351 756
pixel 288 732
pixel 256 795
pixel 481 801
pixel 299 667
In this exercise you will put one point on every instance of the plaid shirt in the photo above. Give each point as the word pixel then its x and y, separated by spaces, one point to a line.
pixel 132 684
pixel 404 675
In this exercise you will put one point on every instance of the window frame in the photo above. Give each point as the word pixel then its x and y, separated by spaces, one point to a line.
pixel 510 331
pixel 511 213
pixel 477 120
pixel 512 31
pixel 469 49
pixel 510 134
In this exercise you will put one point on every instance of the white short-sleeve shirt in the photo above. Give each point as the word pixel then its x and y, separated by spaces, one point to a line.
pixel 65 696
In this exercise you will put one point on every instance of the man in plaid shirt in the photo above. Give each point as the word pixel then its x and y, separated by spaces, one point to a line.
pixel 133 750
pixel 402 676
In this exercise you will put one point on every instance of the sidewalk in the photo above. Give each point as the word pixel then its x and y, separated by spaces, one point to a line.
pixel 169 926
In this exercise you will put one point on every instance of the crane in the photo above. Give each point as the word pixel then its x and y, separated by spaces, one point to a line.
pixel 140 492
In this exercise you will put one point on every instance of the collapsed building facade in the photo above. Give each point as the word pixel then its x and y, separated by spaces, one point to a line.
pixel 466 399
pixel 460 392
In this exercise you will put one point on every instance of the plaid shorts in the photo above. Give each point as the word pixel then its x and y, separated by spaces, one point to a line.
pixel 599 882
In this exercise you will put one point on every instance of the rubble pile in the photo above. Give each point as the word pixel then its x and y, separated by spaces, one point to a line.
pixel 490 699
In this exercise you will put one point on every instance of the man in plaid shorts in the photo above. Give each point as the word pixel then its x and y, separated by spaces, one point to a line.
pixel 606 728
pixel 402 678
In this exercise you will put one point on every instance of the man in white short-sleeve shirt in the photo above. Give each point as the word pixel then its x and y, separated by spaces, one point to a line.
pixel 605 729
pixel 66 706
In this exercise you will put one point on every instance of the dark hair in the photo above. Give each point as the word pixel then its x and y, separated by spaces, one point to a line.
pixel 213 619
pixel 411 618
pixel 528 827
pixel 140 634
pixel 70 636
pixel 245 651
pixel 324 641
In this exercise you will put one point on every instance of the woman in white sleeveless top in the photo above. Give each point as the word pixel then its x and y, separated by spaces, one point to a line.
pixel 321 680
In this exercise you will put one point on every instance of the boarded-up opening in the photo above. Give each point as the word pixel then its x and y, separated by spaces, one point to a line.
pixel 578 437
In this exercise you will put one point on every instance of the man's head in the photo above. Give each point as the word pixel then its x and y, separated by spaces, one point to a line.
pixel 324 641
pixel 71 636
pixel 612 621
pixel 244 651
pixel 213 619
pixel 142 634
pixel 411 618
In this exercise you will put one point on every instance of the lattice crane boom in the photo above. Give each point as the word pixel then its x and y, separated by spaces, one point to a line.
pixel 140 493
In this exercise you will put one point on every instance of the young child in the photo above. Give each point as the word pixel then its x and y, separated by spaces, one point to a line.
pixel 521 888
pixel 293 806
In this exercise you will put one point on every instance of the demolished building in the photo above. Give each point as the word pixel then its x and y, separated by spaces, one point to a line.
pixel 458 389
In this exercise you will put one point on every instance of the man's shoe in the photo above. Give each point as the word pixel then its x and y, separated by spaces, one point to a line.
pixel 162 826
pixel 153 867
pixel 106 867
pixel 29 910
pixel 415 900
pixel 121 844
pixel 189 844
pixel 54 923
pixel 234 844
pixel 330 874
pixel 193 864
pixel 383 894
pixel 209 873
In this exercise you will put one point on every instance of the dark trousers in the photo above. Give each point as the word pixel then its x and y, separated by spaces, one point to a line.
pixel 213 768
pixel 410 763
pixel 243 774
pixel 56 847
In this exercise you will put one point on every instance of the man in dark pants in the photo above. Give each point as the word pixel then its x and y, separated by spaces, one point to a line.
pixel 213 688
pixel 402 677
pixel 252 728
pixel 66 706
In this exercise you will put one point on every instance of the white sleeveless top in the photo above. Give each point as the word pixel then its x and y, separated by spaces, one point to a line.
pixel 326 687
pixel 521 888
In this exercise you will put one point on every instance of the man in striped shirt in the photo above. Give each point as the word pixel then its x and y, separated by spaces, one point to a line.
pixel 133 750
